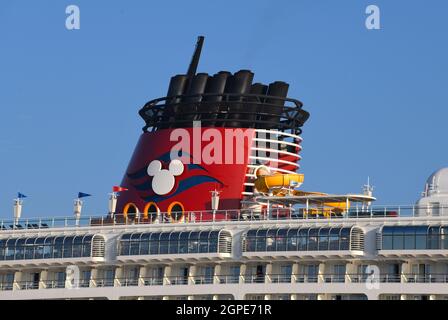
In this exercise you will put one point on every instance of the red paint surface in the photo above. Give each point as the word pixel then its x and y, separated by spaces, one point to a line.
pixel 152 146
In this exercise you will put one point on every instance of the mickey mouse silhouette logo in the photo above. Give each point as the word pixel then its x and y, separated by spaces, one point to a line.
pixel 163 180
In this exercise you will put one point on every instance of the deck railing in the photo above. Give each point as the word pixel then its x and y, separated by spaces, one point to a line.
pixel 271 279
pixel 194 217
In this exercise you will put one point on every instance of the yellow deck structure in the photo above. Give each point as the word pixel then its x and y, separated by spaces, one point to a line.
pixel 279 188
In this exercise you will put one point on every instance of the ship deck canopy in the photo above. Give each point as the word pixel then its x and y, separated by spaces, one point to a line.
pixel 319 200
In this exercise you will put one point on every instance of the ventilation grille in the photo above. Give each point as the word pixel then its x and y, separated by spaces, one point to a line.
pixel 356 239
pixel 98 247
pixel 225 242
pixel 379 241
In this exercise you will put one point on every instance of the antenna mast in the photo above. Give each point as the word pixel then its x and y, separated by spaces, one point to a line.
pixel 195 60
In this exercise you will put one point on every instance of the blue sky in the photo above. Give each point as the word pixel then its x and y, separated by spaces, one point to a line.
pixel 69 99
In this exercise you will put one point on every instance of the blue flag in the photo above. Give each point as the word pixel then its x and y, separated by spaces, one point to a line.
pixel 20 195
pixel 82 195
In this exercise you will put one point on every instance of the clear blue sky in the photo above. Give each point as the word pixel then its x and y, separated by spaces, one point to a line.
pixel 69 99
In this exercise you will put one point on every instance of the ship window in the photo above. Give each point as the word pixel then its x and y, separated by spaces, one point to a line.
pixel 134 245
pixel 39 248
pixel 334 239
pixel 251 240
pixel 444 237
pixel 67 247
pixel 293 239
pixel 154 243
pixel 312 239
pixel 86 245
pixel 281 240
pixel 270 240
pixel 420 237
pixel 29 248
pixel 2 249
pixel 303 239
pixel 58 247
pixel 10 249
pixel 125 244
pixel 409 238
pixel 434 238
pixel 20 249
pixel 164 242
pixel 323 238
pixel 193 242
pixel 45 247
pixel 48 247
pixel 413 238
pixel 174 242
pixel 213 239
pixel 144 243
pixel 183 242
pixel 203 241
pixel 344 239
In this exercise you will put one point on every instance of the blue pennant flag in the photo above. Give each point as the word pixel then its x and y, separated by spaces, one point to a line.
pixel 82 195
pixel 20 195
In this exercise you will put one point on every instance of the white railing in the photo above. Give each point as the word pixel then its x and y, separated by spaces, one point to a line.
pixel 271 279
pixel 297 213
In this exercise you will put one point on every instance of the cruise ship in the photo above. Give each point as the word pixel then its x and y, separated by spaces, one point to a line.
pixel 213 206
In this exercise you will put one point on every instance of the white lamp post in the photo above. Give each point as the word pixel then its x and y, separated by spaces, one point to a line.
pixel 112 204
pixel 77 207
pixel 215 202
pixel 17 210
pixel 18 202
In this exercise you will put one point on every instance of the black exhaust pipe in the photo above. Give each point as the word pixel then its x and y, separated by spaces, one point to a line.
pixel 214 90
pixel 256 102
pixel 193 96
pixel 237 85
pixel 274 106
pixel 177 86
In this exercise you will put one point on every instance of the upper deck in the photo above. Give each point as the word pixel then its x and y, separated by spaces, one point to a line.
pixel 296 215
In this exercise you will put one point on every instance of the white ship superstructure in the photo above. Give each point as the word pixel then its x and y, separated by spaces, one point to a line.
pixel 366 253
pixel 234 223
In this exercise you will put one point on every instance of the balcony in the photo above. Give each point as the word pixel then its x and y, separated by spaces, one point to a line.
pixel 426 278
pixel 53 284
pixel 7 286
pixel 102 282
pixel 272 280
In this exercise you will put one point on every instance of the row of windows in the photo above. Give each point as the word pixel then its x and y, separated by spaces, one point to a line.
pixel 297 239
pixel 414 237
pixel 46 247
pixel 175 242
